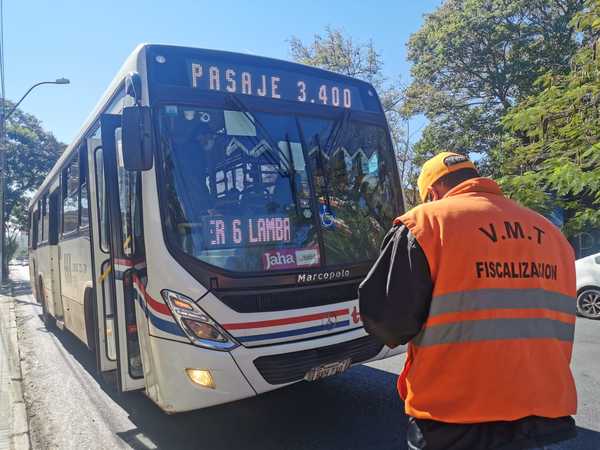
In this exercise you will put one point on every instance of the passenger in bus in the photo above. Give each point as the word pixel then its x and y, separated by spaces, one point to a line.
pixel 194 171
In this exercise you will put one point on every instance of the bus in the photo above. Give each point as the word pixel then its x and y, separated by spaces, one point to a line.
pixel 206 231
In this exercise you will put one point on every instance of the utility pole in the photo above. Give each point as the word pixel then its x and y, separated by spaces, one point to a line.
pixel 3 275
pixel 3 278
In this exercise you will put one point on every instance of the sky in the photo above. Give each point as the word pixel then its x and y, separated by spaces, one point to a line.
pixel 87 41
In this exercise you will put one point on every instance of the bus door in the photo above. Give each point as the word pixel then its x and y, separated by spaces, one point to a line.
pixel 126 269
pixel 105 343
pixel 54 211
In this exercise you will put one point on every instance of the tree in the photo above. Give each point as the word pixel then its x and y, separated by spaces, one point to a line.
pixel 339 53
pixel 475 59
pixel 550 156
pixel 30 154
pixel 11 242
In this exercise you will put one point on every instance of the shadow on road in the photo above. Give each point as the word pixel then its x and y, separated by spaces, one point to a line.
pixel 359 409
pixel 586 439
pixel 20 288
pixel 25 302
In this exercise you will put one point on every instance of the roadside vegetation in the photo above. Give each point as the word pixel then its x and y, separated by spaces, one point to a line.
pixel 512 83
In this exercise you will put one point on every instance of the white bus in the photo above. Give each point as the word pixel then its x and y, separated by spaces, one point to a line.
pixel 206 231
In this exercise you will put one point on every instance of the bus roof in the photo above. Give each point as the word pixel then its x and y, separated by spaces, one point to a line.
pixel 132 64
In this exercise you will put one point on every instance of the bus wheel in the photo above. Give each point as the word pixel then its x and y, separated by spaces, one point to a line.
pixel 90 323
pixel 46 316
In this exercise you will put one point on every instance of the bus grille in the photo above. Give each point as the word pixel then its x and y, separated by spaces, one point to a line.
pixel 294 298
pixel 288 367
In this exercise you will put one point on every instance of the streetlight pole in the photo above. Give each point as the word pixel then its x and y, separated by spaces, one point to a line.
pixel 3 141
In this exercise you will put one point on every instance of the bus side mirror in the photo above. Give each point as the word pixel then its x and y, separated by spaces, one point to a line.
pixel 137 138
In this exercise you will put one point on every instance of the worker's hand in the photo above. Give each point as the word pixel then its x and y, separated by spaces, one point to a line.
pixel 377 330
pixel 390 234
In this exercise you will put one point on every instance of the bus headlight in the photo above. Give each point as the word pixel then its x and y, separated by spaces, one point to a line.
pixel 201 377
pixel 197 325
pixel 203 330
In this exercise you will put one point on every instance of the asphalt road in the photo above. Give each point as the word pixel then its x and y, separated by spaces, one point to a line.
pixel 70 408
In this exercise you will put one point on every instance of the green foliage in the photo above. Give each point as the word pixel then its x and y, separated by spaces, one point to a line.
pixel 30 154
pixel 339 53
pixel 475 59
pixel 551 154
pixel 12 243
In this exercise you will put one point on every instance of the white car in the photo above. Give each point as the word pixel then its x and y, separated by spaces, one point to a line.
pixel 588 286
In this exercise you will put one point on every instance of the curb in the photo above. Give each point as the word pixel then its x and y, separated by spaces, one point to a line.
pixel 19 431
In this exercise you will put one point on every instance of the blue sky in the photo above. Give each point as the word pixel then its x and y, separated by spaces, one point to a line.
pixel 88 41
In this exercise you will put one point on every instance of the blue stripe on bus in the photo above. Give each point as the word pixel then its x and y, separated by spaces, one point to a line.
pixel 165 325
pixel 161 324
pixel 296 332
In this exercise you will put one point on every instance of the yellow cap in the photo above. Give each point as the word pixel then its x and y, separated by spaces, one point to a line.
pixel 438 166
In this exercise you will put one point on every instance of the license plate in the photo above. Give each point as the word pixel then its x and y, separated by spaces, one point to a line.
pixel 327 370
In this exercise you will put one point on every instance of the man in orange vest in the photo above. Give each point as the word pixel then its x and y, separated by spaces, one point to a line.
pixel 483 290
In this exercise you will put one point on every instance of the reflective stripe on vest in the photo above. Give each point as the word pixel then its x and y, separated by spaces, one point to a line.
pixel 482 299
pixel 494 329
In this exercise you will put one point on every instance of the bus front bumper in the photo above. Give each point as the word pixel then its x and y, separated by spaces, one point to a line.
pixel 236 374
pixel 172 389
pixel 274 366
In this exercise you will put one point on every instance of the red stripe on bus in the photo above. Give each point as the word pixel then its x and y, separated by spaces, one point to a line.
pixel 156 306
pixel 284 321
pixel 128 262
pixel 124 262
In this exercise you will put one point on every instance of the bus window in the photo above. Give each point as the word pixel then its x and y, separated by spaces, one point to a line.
pixel 101 199
pixel 45 218
pixel 238 193
pixel 34 229
pixel 39 223
pixel 130 210
pixel 70 196
pixel 53 216
pixel 30 230
pixel 353 175
pixel 84 218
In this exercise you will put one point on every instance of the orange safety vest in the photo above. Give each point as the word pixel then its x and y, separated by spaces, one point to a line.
pixel 499 336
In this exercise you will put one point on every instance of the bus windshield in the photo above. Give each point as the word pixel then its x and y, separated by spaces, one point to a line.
pixel 253 191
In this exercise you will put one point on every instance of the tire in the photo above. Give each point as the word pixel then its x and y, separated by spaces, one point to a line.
pixel 588 302
pixel 47 318
pixel 90 323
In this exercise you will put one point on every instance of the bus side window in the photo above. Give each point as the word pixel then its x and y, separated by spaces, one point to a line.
pixel 34 229
pixel 30 229
pixel 101 199
pixel 45 217
pixel 130 199
pixel 70 197
pixel 137 230
pixel 84 219
pixel 40 220
pixel 126 180
pixel 53 213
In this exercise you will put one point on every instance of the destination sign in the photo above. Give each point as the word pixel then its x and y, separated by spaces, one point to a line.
pixel 242 231
pixel 274 84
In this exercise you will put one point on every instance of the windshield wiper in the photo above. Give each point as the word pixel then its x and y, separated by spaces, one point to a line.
pixel 276 157
pixel 338 128
pixel 292 174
